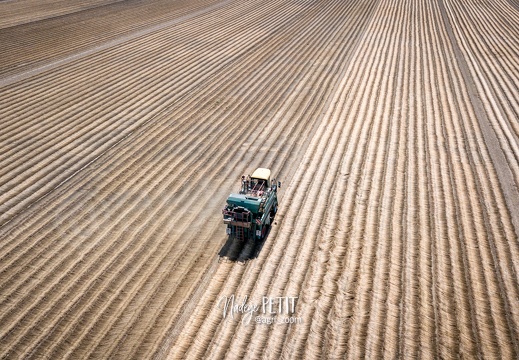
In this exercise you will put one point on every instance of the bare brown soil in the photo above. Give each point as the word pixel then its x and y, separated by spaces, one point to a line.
pixel 393 125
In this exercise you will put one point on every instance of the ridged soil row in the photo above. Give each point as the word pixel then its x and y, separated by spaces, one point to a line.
pixel 307 105
pixel 196 319
pixel 297 258
pixel 321 285
pixel 186 125
pixel 281 117
pixel 492 61
pixel 122 59
pixel 15 13
pixel 112 67
pixel 395 233
pixel 308 113
pixel 383 203
pixel 111 72
pixel 480 212
pixel 466 309
pixel 455 309
pixel 343 305
pixel 55 39
pixel 418 318
pixel 30 169
pixel 493 64
pixel 274 133
pixel 215 319
pixel 410 332
pixel 451 287
pixel 103 86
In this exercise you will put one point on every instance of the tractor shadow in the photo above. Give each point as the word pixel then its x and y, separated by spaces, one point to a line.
pixel 241 251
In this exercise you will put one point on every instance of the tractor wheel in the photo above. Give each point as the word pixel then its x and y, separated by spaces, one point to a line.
pixel 272 214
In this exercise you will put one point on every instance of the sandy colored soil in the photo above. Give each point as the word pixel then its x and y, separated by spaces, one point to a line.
pixel 393 125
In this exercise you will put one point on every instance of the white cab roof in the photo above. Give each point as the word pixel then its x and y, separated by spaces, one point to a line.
pixel 261 173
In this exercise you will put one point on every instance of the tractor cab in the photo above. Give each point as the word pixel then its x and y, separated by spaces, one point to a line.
pixel 249 213
pixel 260 179
pixel 258 183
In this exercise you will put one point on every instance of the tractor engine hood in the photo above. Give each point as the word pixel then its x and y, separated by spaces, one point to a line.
pixel 249 202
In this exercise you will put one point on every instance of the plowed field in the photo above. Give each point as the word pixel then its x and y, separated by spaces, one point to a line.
pixel 393 126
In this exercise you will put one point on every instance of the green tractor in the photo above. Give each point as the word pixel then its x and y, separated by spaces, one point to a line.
pixel 249 213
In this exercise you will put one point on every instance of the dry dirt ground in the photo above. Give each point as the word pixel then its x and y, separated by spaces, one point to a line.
pixel 393 125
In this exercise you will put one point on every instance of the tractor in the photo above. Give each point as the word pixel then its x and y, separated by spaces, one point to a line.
pixel 249 213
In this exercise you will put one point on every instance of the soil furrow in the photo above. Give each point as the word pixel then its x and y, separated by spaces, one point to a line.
pixel 392 125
